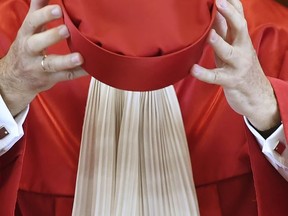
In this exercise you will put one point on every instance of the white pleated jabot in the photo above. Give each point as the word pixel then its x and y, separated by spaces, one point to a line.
pixel 134 158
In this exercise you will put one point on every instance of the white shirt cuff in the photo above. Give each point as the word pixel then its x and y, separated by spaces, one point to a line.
pixel 278 160
pixel 12 125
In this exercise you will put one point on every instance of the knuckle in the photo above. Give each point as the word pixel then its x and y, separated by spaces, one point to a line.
pixel 230 53
pixel 31 21
pixel 49 65
pixel 242 26
pixel 29 46
pixel 216 76
pixel 239 7
pixel 71 75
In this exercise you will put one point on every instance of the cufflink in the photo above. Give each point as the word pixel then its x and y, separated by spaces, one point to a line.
pixel 280 148
pixel 3 132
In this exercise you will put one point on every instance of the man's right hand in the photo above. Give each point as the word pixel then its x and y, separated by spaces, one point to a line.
pixel 25 70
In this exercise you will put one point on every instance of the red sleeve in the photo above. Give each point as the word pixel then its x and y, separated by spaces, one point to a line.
pixel 269 33
pixel 12 13
pixel 10 173
pixel 271 188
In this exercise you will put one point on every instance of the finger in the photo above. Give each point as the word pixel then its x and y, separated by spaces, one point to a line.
pixel 234 19
pixel 67 75
pixel 35 20
pixel 220 25
pixel 222 49
pixel 37 4
pixel 40 41
pixel 238 6
pixel 54 63
pixel 213 76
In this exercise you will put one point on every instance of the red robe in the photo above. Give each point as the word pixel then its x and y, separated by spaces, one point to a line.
pixel 232 176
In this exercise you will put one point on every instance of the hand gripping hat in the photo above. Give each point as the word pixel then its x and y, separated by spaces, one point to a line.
pixel 138 45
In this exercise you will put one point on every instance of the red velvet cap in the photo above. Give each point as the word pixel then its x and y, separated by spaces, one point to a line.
pixel 138 45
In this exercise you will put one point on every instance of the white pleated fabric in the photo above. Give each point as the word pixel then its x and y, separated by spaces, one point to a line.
pixel 134 158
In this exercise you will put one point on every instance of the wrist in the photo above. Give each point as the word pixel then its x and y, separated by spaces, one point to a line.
pixel 265 116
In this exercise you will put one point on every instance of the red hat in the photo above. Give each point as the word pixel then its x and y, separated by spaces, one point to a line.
pixel 138 45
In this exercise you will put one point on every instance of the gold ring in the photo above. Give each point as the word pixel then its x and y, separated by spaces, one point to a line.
pixel 42 62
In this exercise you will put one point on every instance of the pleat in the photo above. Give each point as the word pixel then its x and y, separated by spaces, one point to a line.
pixel 134 158
pixel 96 169
pixel 127 174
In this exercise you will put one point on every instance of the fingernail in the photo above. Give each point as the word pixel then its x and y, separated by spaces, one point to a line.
pixel 56 12
pixel 76 59
pixel 196 70
pixel 63 31
pixel 222 3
